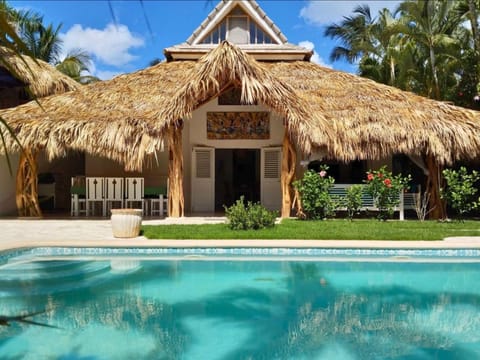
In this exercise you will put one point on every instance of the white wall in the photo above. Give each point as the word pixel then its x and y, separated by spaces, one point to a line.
pixel 7 186
pixel 198 128
pixel 195 134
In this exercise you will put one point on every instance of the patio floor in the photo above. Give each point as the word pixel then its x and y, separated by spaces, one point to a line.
pixel 20 233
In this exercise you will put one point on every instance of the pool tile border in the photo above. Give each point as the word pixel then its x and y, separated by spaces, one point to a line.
pixel 56 251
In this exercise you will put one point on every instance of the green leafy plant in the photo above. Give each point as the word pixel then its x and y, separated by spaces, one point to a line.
pixel 252 216
pixel 385 189
pixel 353 200
pixel 317 202
pixel 461 192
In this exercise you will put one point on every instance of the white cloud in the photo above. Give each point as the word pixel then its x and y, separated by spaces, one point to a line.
pixel 106 74
pixel 315 57
pixel 330 11
pixel 110 45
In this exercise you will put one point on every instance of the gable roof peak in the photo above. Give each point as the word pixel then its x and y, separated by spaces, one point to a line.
pixel 245 24
pixel 223 9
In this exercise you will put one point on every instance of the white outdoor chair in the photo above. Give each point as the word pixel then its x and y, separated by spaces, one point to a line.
pixel 95 195
pixel 134 187
pixel 77 194
pixel 158 201
pixel 113 193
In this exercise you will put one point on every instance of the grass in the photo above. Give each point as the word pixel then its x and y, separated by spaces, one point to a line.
pixel 322 230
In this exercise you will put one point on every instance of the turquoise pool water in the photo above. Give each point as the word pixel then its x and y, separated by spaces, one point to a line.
pixel 191 307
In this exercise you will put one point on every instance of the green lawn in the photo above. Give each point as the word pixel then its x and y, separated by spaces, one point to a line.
pixel 322 230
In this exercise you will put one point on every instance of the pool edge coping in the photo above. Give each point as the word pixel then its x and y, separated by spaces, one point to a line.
pixel 142 242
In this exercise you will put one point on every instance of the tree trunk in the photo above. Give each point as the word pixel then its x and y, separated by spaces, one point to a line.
pixel 27 185
pixel 289 159
pixel 433 66
pixel 473 16
pixel 434 183
pixel 392 71
pixel 176 201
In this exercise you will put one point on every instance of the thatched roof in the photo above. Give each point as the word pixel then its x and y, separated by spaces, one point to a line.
pixel 372 120
pixel 99 118
pixel 228 66
pixel 41 78
pixel 116 119
pixel 351 117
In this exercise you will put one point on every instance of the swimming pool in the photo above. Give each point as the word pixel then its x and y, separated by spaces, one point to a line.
pixel 240 304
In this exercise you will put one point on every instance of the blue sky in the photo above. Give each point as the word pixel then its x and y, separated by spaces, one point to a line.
pixel 123 43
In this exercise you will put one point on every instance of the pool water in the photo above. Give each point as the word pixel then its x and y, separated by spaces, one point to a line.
pixel 231 309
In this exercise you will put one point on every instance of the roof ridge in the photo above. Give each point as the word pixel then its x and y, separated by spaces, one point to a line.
pixel 224 4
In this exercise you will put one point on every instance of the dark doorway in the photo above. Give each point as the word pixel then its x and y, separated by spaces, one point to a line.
pixel 237 173
pixel 352 172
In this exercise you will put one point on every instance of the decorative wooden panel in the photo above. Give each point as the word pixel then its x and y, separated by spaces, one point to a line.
pixel 238 125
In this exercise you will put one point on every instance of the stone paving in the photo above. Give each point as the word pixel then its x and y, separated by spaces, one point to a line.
pixel 18 233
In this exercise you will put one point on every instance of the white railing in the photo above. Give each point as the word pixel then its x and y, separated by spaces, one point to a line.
pixel 407 200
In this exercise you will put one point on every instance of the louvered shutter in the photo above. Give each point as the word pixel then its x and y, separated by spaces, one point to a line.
pixel 203 179
pixel 271 174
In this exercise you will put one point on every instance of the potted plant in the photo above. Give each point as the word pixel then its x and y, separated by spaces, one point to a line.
pixel 126 222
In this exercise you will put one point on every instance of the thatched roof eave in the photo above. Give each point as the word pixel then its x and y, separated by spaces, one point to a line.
pixel 347 116
pixel 227 65
pixel 41 78
pixel 372 120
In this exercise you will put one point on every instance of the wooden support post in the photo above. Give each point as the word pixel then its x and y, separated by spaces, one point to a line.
pixel 289 159
pixel 27 185
pixel 434 183
pixel 176 201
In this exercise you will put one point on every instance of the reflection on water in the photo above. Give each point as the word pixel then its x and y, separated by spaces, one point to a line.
pixel 242 310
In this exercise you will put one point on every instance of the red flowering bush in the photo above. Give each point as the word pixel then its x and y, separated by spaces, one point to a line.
pixel 314 191
pixel 385 190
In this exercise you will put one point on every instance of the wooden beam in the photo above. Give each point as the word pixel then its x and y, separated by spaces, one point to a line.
pixel 434 183
pixel 289 159
pixel 27 185
pixel 176 200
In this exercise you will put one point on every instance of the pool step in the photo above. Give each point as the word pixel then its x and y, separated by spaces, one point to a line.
pixel 52 276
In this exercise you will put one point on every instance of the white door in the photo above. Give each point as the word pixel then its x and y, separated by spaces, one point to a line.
pixel 203 179
pixel 271 190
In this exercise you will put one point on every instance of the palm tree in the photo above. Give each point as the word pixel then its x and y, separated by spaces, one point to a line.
pixel 355 33
pixel 372 41
pixel 75 65
pixel 470 9
pixel 469 85
pixel 431 27
pixel 387 50
pixel 43 42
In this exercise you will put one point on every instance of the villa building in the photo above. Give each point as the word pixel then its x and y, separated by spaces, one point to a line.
pixel 234 111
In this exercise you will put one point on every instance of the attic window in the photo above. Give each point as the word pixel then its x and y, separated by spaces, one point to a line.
pixel 237 28
pixel 230 97
pixel 257 35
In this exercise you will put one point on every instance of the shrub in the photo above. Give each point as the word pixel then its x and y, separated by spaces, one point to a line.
pixel 460 192
pixel 353 200
pixel 253 216
pixel 317 203
pixel 385 189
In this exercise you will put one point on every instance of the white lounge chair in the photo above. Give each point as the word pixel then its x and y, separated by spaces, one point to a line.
pixel 95 195
pixel 113 193
pixel 134 192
